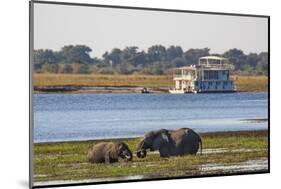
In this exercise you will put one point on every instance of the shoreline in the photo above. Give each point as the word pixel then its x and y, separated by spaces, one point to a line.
pixel 203 134
pixel 107 90
pixel 102 83
pixel 247 167
pixel 96 89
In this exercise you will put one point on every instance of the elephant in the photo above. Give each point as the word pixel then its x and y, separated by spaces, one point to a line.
pixel 170 142
pixel 109 152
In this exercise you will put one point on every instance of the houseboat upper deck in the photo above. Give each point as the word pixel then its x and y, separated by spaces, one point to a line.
pixel 212 74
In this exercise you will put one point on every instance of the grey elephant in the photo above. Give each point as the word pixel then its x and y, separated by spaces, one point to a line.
pixel 170 142
pixel 109 152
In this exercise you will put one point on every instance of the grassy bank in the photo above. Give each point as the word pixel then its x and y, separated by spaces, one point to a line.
pixel 251 83
pixel 243 83
pixel 41 80
pixel 68 160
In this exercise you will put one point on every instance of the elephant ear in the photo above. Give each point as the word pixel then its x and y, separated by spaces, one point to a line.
pixel 161 139
pixel 120 147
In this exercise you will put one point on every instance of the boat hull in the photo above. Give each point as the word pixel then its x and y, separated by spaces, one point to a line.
pixel 200 91
pixel 181 92
pixel 177 91
pixel 217 91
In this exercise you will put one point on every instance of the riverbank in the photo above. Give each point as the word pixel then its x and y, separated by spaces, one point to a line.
pixel 223 153
pixel 88 83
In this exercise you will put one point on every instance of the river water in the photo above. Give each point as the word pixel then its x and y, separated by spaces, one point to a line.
pixel 71 117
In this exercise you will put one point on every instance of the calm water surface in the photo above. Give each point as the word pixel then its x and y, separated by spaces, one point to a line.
pixel 64 117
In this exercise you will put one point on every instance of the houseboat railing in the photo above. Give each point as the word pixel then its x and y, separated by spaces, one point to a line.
pixel 217 66
pixel 180 76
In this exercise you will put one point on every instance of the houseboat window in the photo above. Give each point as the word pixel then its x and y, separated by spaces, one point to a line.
pixel 206 75
pixel 211 75
pixel 227 74
pixel 214 75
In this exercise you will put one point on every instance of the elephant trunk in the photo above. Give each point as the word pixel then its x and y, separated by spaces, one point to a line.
pixel 129 155
pixel 141 152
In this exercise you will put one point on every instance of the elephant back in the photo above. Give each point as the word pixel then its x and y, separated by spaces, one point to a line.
pixel 186 141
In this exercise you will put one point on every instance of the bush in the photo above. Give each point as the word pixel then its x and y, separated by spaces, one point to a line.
pixel 50 68
pixel 81 68
pixel 66 69
pixel 106 70
pixel 178 62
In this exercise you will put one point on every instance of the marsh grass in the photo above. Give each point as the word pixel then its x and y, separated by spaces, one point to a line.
pixel 251 83
pixel 43 80
pixel 68 160
pixel 243 83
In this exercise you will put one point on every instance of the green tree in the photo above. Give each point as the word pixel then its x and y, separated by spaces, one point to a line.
pixel 192 55
pixel 236 57
pixel 158 68
pixel 252 59
pixel 140 59
pixel 174 52
pixel 129 54
pixel 156 60
pixel 114 57
pixel 156 53
pixel 77 54
pixel 262 65
pixel 263 58
pixel 178 62
pixel 42 57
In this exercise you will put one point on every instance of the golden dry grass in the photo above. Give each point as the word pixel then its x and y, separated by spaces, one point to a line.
pixel 44 80
pixel 251 83
pixel 243 83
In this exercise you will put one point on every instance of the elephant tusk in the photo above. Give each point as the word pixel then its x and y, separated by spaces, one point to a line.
pixel 128 157
pixel 141 153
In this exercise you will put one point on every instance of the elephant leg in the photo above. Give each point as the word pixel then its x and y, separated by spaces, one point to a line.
pixel 164 152
pixel 194 149
pixel 107 158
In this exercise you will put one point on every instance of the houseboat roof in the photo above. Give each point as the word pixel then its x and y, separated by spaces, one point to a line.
pixel 211 58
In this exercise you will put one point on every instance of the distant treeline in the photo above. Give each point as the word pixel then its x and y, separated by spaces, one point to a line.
pixel 156 60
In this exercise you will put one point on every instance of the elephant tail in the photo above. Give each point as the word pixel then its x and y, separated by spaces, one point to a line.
pixel 200 141
pixel 90 156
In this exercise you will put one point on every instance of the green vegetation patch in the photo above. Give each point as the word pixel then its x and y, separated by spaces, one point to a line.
pixel 68 160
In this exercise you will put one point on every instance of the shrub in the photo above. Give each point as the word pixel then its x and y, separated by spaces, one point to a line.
pixel 50 68
pixel 106 70
pixel 81 68
pixel 66 69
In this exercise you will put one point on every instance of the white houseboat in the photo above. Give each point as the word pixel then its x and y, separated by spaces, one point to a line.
pixel 212 74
